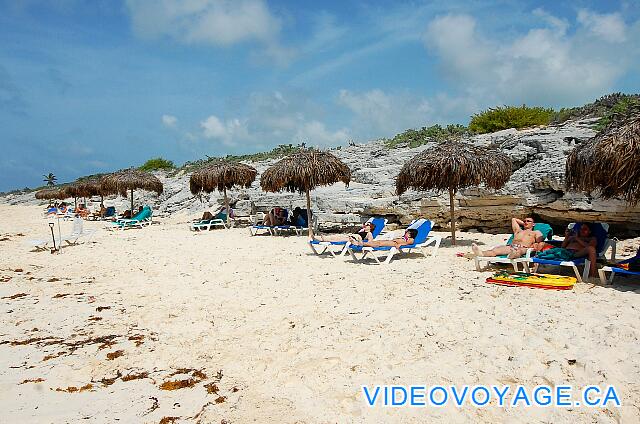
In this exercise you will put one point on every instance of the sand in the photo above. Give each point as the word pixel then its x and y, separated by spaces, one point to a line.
pixel 264 331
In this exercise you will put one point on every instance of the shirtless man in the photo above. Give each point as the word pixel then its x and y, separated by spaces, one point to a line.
pixel 524 237
pixel 582 245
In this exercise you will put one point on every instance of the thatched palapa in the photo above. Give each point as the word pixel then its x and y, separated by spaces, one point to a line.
pixel 304 171
pixel 610 162
pixel 130 179
pixel 86 187
pixel 222 175
pixel 51 194
pixel 452 166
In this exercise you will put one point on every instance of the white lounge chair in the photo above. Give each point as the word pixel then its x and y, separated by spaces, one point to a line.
pixel 618 270
pixel 77 234
pixel 421 241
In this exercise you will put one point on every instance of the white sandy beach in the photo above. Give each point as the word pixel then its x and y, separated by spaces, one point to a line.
pixel 267 332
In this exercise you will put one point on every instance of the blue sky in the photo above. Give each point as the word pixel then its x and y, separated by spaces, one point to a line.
pixel 97 85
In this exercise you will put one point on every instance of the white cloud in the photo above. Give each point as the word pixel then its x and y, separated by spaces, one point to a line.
pixel 229 132
pixel 378 114
pixel 216 22
pixel 610 27
pixel 315 133
pixel 272 119
pixel 544 66
pixel 169 121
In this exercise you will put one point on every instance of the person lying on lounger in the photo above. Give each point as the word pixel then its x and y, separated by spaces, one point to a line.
pixel 582 245
pixel 363 235
pixel 276 216
pixel 407 239
pixel 524 237
pixel 82 211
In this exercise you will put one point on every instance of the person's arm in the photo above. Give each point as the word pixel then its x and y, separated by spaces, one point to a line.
pixel 516 225
pixel 369 236
pixel 568 237
pixel 539 236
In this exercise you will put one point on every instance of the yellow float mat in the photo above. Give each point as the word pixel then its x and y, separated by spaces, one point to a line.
pixel 543 281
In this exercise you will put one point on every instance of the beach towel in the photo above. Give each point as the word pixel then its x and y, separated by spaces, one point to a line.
pixel 540 281
pixel 556 254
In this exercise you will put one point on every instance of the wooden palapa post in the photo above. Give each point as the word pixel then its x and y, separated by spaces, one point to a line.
pixel 453 216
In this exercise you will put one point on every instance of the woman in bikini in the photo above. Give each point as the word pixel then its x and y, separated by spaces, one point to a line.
pixel 363 235
pixel 407 239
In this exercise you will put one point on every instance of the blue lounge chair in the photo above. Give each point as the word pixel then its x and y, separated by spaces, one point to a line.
pixel 329 246
pixel 618 270
pixel 139 220
pixel 600 231
pixel 421 241
pixel 298 229
pixel 258 227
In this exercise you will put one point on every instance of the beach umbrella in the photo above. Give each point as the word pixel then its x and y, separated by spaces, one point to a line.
pixel 222 175
pixel 304 171
pixel 130 179
pixel 86 187
pixel 452 166
pixel 609 163
pixel 51 193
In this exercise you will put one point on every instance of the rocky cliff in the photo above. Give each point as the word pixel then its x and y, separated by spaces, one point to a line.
pixel 536 187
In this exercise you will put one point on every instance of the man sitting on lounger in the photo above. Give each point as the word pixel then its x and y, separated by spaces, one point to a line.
pixel 582 245
pixel 524 237
pixel 407 239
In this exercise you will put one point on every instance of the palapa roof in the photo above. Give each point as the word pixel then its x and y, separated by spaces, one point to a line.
pixel 51 193
pixel 305 170
pixel 454 165
pixel 220 175
pixel 610 162
pixel 85 187
pixel 130 179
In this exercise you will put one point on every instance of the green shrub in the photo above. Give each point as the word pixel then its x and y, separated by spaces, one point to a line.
pixel 621 109
pixel 415 138
pixel 599 109
pixel 156 164
pixel 276 153
pixel 502 118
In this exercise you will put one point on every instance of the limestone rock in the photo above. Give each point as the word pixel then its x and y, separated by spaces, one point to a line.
pixel 536 187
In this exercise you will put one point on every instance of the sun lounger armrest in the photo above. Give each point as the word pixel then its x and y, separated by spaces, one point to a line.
pixel 610 243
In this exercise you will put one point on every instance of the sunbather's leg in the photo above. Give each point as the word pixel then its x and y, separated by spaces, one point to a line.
pixel 496 251
pixel 517 253
pixel 588 252
pixel 375 243
pixel 332 237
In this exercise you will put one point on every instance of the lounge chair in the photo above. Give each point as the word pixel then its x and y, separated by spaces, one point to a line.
pixel 297 229
pixel 68 214
pixel 139 220
pixel 618 270
pixel 207 224
pixel 77 234
pixel 600 231
pixel 257 226
pixel 421 241
pixel 330 246
pixel 547 233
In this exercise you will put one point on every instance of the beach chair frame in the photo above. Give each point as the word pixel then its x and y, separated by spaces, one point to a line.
pixel 390 252
pixel 329 246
